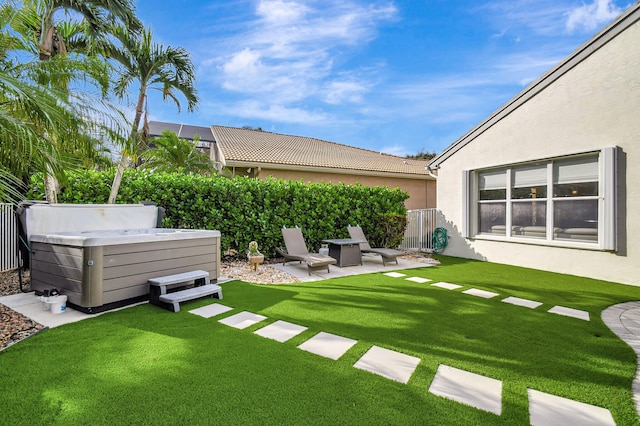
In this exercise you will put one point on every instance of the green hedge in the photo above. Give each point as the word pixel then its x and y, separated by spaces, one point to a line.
pixel 245 209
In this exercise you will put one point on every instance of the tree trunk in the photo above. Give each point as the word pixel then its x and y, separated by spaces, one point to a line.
pixel 125 161
pixel 123 164
pixel 51 188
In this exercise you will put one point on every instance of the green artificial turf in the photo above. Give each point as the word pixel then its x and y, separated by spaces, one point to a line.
pixel 145 365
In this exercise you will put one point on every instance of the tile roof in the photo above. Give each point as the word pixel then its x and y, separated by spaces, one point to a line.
pixel 255 146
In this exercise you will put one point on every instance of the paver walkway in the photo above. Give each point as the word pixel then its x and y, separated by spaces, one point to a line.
pixel 483 393
pixel 475 390
pixel 387 363
pixel 328 345
pixel 532 304
pixel 280 331
pixel 242 320
pixel 624 320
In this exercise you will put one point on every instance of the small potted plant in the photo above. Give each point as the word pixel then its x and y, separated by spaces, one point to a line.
pixel 255 257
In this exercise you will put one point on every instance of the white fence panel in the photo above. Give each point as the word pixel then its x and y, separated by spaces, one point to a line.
pixel 9 233
pixel 420 226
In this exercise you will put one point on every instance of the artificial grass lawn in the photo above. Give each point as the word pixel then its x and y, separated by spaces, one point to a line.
pixel 144 365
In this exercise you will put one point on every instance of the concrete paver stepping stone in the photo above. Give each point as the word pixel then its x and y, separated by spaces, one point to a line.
pixel 280 331
pixel 546 409
pixel 242 320
pixel 448 286
pixel 480 293
pixel 570 312
pixel 418 280
pixel 328 345
pixel 468 388
pixel 522 302
pixel 394 274
pixel 387 363
pixel 211 310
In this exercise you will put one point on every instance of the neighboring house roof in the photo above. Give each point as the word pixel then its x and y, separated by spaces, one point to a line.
pixel 255 148
pixel 277 150
pixel 184 131
pixel 624 21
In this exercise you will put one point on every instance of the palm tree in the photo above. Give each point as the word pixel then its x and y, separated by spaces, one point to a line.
pixel 97 16
pixel 86 35
pixel 29 114
pixel 170 153
pixel 152 66
pixel 45 126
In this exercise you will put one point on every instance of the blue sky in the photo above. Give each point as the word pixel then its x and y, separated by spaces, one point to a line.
pixel 397 76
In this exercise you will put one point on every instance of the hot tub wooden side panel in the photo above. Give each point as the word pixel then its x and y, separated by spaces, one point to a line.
pixel 126 271
pixel 57 267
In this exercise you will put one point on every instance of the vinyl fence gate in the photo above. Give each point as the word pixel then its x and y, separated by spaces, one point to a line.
pixel 420 226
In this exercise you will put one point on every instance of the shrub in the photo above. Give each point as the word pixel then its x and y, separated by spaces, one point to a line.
pixel 246 209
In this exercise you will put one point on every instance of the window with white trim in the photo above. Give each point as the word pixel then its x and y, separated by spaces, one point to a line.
pixel 564 200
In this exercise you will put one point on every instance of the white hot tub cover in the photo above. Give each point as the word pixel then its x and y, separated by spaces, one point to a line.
pixel 55 218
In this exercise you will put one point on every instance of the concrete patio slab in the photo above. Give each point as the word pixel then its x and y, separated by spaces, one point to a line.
pixel 480 293
pixel 394 274
pixel 522 302
pixel 481 392
pixel 280 331
pixel 387 363
pixel 369 266
pixel 29 305
pixel 546 409
pixel 242 320
pixel 418 280
pixel 328 345
pixel 448 286
pixel 211 310
pixel 569 312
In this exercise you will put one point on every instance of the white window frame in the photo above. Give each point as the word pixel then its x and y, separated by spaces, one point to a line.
pixel 607 215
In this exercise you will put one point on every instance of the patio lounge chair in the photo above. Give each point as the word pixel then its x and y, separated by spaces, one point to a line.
pixel 387 254
pixel 297 251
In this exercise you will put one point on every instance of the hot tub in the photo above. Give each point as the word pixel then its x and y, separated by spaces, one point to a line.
pixel 101 269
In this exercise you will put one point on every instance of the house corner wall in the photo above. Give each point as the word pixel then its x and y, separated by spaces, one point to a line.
pixel 595 104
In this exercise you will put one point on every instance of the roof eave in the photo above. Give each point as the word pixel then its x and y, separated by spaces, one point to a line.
pixel 331 170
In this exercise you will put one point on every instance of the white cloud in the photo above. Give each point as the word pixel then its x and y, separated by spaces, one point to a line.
pixel 398 150
pixel 289 52
pixel 245 66
pixel 345 91
pixel 590 16
pixel 280 12
pixel 545 17
pixel 273 112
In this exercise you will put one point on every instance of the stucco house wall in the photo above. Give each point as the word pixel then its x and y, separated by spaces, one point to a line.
pixel 589 102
